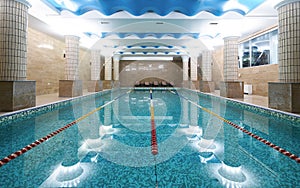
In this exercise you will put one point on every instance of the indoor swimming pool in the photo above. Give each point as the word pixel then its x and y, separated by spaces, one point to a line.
pixel 149 138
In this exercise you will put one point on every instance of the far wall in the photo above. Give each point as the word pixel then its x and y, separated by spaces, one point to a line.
pixel 132 71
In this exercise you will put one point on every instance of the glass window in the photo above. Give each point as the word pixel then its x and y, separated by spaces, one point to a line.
pixel 261 50
pixel 244 55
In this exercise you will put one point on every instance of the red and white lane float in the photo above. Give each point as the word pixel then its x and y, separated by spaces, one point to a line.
pixel 154 148
pixel 16 154
pixel 34 144
pixel 268 143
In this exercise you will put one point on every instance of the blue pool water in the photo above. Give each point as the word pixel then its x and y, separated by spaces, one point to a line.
pixel 112 146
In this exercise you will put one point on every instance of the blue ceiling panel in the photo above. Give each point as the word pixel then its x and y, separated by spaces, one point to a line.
pixel 160 7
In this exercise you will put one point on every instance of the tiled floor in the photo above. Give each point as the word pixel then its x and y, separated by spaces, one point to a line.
pixel 50 98
pixel 252 99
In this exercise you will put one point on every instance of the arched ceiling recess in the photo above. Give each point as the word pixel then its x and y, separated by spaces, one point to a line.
pixel 163 47
pixel 109 25
pixel 151 38
pixel 151 49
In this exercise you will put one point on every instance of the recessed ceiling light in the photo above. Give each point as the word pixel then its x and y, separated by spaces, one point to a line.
pixel 104 22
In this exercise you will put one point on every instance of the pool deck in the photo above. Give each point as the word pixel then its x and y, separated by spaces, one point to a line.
pixel 252 99
pixel 50 98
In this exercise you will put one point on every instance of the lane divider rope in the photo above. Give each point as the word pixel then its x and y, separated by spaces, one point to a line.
pixel 268 143
pixel 154 147
pixel 18 153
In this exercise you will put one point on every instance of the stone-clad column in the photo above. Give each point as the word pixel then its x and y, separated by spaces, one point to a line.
pixel 107 82
pixel 15 91
pixel 13 43
pixel 206 66
pixel 108 69
pixel 185 71
pixel 231 87
pixel 116 60
pixel 71 86
pixel 285 94
pixel 116 67
pixel 194 64
pixel 206 83
pixel 230 58
pixel 95 64
pixel 72 57
pixel 95 84
pixel 194 71
pixel 289 41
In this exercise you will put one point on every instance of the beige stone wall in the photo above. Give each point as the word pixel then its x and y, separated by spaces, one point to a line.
pixel 217 66
pixel 85 67
pixel 46 66
pixel 259 77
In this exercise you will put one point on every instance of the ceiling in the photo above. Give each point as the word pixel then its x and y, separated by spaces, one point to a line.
pixel 151 28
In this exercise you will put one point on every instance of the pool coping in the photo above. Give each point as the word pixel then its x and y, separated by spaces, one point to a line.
pixel 23 114
pixel 29 112
pixel 261 109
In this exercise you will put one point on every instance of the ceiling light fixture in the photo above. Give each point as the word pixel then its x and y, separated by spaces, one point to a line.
pixel 104 22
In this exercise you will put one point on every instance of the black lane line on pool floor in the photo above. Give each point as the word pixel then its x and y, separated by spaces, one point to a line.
pixel 154 147
pixel 38 142
pixel 268 143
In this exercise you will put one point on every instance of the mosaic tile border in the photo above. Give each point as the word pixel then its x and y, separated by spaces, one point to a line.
pixel 30 112
pixel 155 88
pixel 268 111
pixel 294 118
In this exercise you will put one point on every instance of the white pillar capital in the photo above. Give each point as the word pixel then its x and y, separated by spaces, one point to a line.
pixel 285 2
pixel 117 58
pixel 24 2
pixel 230 38
pixel 185 58
pixel 194 54
pixel 72 37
